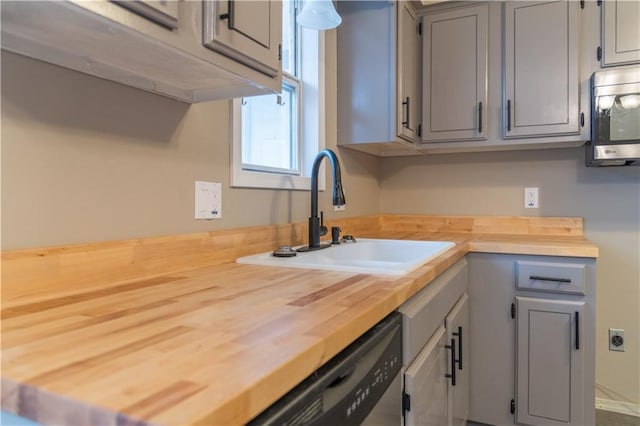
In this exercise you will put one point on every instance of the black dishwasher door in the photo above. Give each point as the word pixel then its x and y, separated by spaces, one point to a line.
pixel 347 387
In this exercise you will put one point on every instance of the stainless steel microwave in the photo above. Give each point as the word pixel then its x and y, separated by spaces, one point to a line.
pixel 615 118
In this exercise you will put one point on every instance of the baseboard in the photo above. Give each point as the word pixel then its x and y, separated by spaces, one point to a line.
pixel 618 407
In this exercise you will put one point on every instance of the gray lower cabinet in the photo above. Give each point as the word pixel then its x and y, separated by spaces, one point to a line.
pixel 532 339
pixel 457 325
pixel 620 32
pixel 425 382
pixel 550 362
pixel 436 351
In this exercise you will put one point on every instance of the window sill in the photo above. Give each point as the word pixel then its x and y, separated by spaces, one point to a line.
pixel 251 179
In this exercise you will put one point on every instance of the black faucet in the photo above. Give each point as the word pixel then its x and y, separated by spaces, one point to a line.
pixel 315 223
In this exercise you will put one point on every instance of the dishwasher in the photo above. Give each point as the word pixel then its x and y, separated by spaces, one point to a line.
pixel 361 385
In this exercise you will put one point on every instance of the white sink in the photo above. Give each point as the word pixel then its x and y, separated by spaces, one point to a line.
pixel 369 256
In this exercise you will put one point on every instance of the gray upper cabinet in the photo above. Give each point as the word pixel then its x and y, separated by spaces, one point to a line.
pixel 248 31
pixel 160 47
pixel 377 50
pixel 455 53
pixel 541 69
pixel 407 102
pixel 620 32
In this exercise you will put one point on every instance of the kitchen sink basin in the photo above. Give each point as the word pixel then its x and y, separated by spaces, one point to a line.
pixel 369 256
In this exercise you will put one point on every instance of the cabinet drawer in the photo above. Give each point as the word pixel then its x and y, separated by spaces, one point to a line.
pixel 551 277
pixel 426 311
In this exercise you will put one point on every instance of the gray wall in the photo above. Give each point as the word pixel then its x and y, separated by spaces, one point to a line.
pixel 493 184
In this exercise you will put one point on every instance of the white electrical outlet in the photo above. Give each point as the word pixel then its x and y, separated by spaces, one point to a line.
pixel 531 198
pixel 340 208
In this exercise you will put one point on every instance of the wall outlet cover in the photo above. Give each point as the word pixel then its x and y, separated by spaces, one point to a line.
pixel 531 198
pixel 208 198
pixel 616 339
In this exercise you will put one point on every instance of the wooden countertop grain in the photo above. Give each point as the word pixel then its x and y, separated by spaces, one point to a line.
pixel 212 345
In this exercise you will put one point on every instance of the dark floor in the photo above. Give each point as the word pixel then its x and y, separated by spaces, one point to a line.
pixel 609 418
pixel 603 418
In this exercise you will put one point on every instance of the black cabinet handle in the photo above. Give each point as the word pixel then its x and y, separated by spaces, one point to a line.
pixel 479 117
pixel 577 331
pixel 405 110
pixel 459 335
pixel 508 115
pixel 452 376
pixel 229 15
pixel 552 279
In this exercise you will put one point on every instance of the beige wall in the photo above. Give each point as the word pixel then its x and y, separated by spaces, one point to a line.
pixel 85 159
pixel 493 184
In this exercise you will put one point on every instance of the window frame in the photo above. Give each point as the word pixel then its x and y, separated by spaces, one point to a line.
pixel 310 141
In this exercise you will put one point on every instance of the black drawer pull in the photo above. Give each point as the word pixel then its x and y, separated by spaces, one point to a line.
pixel 552 279
pixel 577 331
pixel 459 335
pixel 452 376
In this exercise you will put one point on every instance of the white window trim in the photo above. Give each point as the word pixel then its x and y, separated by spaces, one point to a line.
pixel 256 179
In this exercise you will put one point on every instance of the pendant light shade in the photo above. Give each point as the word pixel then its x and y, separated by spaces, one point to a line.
pixel 319 15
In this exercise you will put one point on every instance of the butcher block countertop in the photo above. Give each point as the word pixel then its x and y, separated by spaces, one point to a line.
pixel 92 335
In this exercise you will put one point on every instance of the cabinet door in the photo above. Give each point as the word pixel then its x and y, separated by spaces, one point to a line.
pixel 541 73
pixel 426 383
pixel 620 32
pixel 248 31
pixel 407 47
pixel 491 337
pixel 457 325
pixel 550 362
pixel 455 74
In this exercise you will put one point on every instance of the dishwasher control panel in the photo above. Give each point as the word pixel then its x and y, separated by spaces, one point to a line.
pixel 373 386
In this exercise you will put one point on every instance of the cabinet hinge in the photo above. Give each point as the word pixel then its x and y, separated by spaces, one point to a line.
pixel 513 406
pixel 513 310
pixel 280 51
pixel 599 53
pixel 599 2
pixel 581 4
pixel 406 402
pixel 419 130
pixel 420 28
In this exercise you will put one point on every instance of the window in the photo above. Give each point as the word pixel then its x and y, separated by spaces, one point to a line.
pixel 276 137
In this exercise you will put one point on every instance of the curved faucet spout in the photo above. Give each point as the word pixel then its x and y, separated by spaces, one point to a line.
pixel 338 194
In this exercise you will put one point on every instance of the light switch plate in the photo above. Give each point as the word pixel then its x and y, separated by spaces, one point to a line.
pixel 208 203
